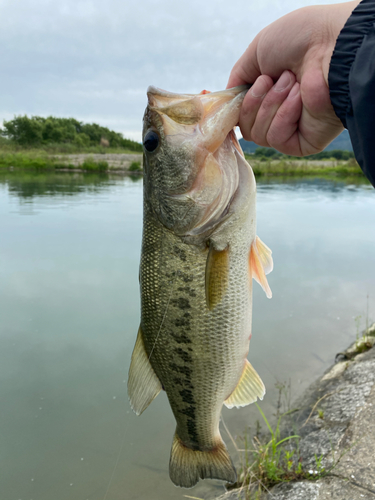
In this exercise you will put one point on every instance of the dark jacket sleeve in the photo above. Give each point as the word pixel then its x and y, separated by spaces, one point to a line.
pixel 352 83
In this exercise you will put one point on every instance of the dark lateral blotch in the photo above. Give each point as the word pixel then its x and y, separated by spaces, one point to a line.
pixel 181 303
pixel 185 356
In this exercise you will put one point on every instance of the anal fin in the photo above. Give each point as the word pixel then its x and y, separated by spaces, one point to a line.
pixel 249 388
pixel 143 384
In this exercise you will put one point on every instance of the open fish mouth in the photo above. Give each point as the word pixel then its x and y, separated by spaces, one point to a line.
pixel 216 113
pixel 204 123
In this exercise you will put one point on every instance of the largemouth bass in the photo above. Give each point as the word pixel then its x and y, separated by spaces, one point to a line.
pixel 200 253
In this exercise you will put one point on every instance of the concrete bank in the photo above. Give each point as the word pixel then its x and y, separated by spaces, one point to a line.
pixel 342 431
pixel 116 162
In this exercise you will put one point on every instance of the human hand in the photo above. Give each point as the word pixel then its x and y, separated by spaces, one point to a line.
pixel 295 114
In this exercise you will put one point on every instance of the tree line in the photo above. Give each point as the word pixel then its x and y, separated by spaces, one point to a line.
pixel 36 131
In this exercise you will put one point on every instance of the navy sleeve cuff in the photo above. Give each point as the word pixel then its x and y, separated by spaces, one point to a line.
pixel 348 42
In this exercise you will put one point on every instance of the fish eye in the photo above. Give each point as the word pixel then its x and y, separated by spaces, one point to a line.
pixel 151 141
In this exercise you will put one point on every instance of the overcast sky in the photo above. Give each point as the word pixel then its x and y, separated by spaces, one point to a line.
pixel 93 60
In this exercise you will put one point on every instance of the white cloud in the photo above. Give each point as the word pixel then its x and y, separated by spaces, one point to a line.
pixel 91 58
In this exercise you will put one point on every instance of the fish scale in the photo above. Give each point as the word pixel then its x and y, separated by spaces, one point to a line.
pixel 214 376
pixel 199 255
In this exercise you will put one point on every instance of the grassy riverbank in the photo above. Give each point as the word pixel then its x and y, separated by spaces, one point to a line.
pixel 303 167
pixel 98 159
pixel 91 159
pixel 60 143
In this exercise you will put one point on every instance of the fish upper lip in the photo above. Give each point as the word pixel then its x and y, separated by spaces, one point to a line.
pixel 174 95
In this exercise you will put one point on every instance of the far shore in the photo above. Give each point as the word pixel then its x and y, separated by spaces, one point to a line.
pixel 132 164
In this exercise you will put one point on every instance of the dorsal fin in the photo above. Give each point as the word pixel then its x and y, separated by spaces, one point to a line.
pixel 260 264
pixel 249 388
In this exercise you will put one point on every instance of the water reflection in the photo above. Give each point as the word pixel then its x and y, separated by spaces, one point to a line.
pixel 69 312
pixel 29 185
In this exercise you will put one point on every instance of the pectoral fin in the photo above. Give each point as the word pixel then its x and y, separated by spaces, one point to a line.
pixel 260 264
pixel 217 272
pixel 249 388
pixel 143 384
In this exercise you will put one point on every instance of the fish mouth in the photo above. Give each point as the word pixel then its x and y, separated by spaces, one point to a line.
pixel 214 113
pixel 204 123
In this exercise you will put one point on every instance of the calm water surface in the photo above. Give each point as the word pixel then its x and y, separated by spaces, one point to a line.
pixel 69 314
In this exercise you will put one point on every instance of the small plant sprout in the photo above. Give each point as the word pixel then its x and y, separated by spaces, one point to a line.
pixel 318 464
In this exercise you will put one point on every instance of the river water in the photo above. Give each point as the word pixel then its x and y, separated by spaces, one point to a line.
pixel 69 314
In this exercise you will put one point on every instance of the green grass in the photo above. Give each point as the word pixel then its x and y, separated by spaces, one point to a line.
pixel 270 459
pixel 43 158
pixel 40 160
pixel 91 165
pixel 363 342
pixel 267 461
pixel 135 167
pixel 24 160
pixel 301 168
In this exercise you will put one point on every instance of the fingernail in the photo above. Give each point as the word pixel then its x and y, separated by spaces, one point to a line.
pixel 294 92
pixel 259 88
pixel 282 82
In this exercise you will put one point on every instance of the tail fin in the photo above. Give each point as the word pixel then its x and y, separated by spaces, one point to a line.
pixel 187 466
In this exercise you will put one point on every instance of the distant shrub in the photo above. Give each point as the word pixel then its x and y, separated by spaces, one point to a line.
pixel 82 140
pixel 23 130
pixel 135 166
pixel 270 153
pixel 335 154
pixel 39 163
pixel 102 166
pixel 63 165
pixel 267 153
pixel 3 141
pixel 91 165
